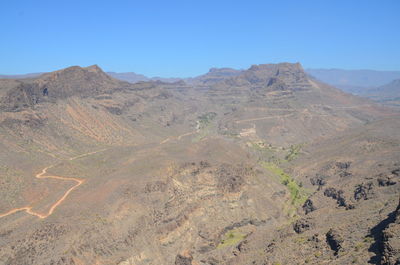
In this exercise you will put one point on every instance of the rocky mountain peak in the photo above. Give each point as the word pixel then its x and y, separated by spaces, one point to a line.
pixel 94 68
pixel 77 73
pixel 72 81
pixel 283 70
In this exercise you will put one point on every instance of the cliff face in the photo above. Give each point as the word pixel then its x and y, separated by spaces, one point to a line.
pixel 282 76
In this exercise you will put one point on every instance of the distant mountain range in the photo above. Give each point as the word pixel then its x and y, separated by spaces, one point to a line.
pixel 343 79
pixel 388 94
pixel 380 86
pixel 348 79
pixel 22 76
pixel 132 77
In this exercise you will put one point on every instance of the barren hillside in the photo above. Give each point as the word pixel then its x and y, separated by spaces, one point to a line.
pixel 234 167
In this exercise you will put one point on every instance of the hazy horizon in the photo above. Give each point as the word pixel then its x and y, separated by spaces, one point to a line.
pixel 204 72
pixel 177 39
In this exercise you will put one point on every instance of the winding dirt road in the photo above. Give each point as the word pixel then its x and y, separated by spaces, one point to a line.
pixel 41 175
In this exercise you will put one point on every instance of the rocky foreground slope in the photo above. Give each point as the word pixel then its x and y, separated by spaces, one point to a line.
pixel 260 166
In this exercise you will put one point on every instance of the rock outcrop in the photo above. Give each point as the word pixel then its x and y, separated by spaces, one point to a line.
pixel 302 225
pixel 363 191
pixel 334 240
pixel 391 241
pixel 308 206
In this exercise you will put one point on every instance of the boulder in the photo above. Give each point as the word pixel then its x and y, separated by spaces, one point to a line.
pixel 308 206
pixel 334 240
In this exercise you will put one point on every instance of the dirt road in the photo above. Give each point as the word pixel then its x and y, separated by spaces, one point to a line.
pixel 41 175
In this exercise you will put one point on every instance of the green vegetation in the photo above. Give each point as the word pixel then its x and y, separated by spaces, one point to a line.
pixel 300 240
pixel 204 125
pixel 293 152
pixel 201 135
pixel 298 194
pixel 266 151
pixel 263 147
pixel 368 239
pixel 205 119
pixel 231 238
pixel 274 154
pixel 271 158
pixel 230 134
pixel 359 246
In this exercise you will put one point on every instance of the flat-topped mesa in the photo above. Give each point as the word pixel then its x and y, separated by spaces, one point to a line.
pixel 283 70
pixel 282 76
pixel 71 81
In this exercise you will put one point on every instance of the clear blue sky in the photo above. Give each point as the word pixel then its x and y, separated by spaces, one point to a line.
pixel 186 38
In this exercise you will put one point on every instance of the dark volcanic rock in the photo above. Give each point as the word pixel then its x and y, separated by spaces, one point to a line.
pixel 204 164
pixel 386 181
pixel 183 260
pixel 332 193
pixel 343 165
pixel 363 191
pixel 114 110
pixel 315 238
pixel 396 172
pixel 334 240
pixel 337 195
pixel 342 169
pixel 302 225
pixel 308 206
pixel 318 180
